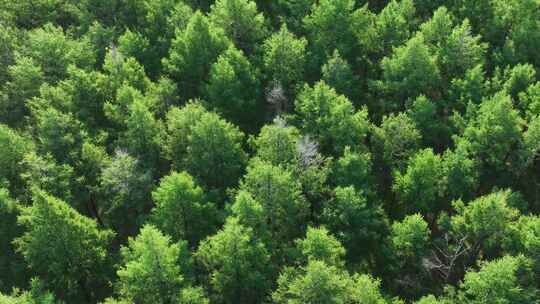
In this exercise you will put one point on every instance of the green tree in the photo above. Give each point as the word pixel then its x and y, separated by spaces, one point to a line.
pixel 241 21
pixel 329 27
pixel 233 88
pixel 517 79
pixel 293 12
pixel 410 237
pixel 506 280
pixel 353 169
pixel 461 174
pixel 181 209
pixel 192 53
pixel 472 87
pixel 337 73
pixel 331 119
pixel 86 92
pixel 251 214
pixel 12 266
pixel 13 147
pixel 285 58
pixel 530 100
pixel 24 79
pixel 396 139
pixel 514 31
pixel 32 14
pixel 279 193
pixel 45 173
pixel 53 51
pixel 320 245
pixel 277 143
pixel 152 268
pixel 122 71
pixel 151 27
pixel 64 248
pixel 10 42
pixel 238 264
pixel 484 222
pixel 358 224
pixel 523 237
pixel 394 25
pixel 35 295
pixel 433 127
pixel 59 134
pixel 179 124
pixel 409 72
pixel 409 243
pixel 456 48
pixel 321 283
pixel 142 136
pixel 214 154
pixel 127 194
pixel 494 136
pixel 422 186
pixel 209 147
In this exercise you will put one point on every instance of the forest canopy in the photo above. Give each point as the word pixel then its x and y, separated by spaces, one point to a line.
pixel 255 151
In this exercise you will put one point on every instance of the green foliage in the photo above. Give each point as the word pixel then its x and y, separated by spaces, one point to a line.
pixel 425 115
pixel 285 58
pixel 353 169
pixel 493 137
pixel 506 280
pixel 67 250
pixel 233 88
pixel 456 48
pixel 127 189
pixel 215 154
pixel 321 283
pixel 255 151
pixel 151 270
pixel 331 118
pixel 422 185
pixel 410 237
pixel 484 221
pixel 36 295
pixel 356 223
pixel 329 27
pixel 277 143
pixel 523 236
pixel 192 53
pixel 181 209
pixel 237 263
pixel 179 123
pixel 337 73
pixel 53 51
pixel 240 21
pixel 13 147
pixel 394 25
pixel 142 137
pixel 285 209
pixel 409 72
pixel 59 134
pixel 12 272
pixel 45 173
pixel 209 147
pixel 24 79
pixel 30 14
pixel 460 173
pixel 396 139
pixel 409 241
pixel 319 245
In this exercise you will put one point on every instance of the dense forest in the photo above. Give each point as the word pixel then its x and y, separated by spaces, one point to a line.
pixel 257 151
